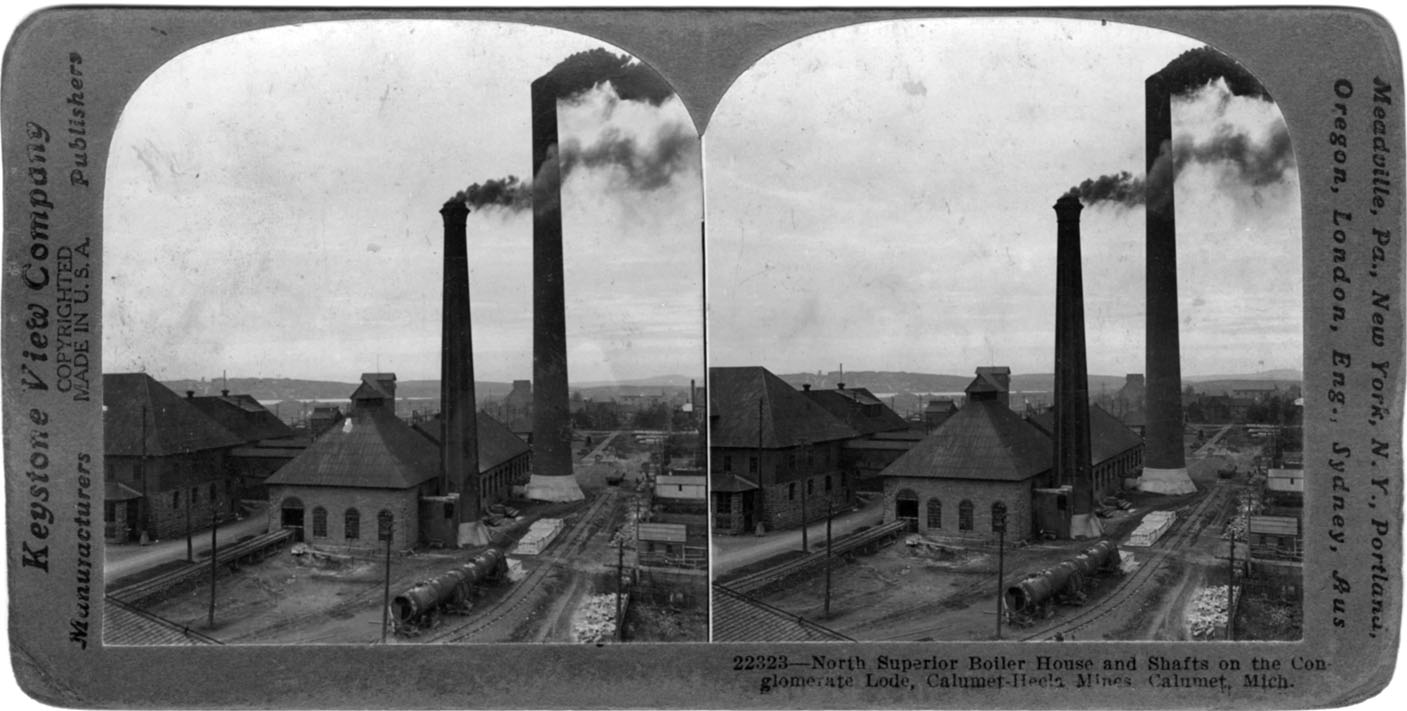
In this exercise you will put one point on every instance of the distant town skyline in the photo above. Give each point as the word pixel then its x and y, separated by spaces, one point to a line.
pixel 272 209
pixel 882 195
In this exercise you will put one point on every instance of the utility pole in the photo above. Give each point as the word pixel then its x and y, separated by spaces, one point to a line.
pixel 620 589
pixel 1231 592
pixel 999 522
pixel 190 547
pixel 210 621
pixel 385 531
pixel 829 515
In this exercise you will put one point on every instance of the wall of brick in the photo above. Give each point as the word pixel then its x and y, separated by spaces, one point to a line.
pixel 952 492
pixel 402 503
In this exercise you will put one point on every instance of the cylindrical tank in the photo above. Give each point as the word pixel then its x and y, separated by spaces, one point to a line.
pixel 450 588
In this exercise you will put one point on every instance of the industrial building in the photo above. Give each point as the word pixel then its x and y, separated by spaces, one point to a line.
pixel 166 463
pixel 371 468
pixel 775 455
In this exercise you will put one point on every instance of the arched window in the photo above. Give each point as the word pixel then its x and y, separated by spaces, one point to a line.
pixel 935 513
pixel 384 521
pixel 999 521
pixel 353 524
pixel 319 522
pixel 965 515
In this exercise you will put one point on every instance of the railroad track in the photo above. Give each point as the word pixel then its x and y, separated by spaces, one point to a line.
pixel 1187 528
pixel 564 548
pixel 756 581
pixel 256 547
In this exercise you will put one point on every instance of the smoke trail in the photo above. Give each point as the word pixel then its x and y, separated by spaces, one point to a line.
pixel 632 81
pixel 1199 67
pixel 646 166
pixel 1254 163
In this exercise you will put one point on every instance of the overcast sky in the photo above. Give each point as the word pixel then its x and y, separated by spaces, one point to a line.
pixel 272 210
pixel 880 196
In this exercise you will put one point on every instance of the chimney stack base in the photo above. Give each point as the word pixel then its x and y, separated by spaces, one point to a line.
pixel 1085 525
pixel 473 533
pixel 1170 482
pixel 554 488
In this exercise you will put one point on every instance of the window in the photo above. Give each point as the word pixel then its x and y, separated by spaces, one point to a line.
pixel 353 524
pixel 752 465
pixel 723 504
pixel 319 522
pixel 999 516
pixel 195 495
pixel 791 491
pixel 965 515
pixel 810 487
pixel 935 513
pixel 176 499
pixel 214 492
pixel 728 463
pixel 828 482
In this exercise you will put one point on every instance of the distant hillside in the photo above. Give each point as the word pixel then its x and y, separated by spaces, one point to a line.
pixel 879 381
pixel 279 389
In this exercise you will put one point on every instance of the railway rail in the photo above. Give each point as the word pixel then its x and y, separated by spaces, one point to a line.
pixel 566 547
pixel 254 549
pixel 1206 512
pixel 845 545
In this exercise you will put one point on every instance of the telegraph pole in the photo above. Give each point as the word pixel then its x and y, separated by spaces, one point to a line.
pixel 620 589
pixel 385 531
pixel 999 522
pixel 829 515
pixel 214 507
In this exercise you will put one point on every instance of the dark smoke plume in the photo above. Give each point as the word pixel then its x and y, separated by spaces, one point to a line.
pixel 645 165
pixel 1255 164
pixel 1199 67
pixel 587 70
pixel 508 193
pixel 1122 188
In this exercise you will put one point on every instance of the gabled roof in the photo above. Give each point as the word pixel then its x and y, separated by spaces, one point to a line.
pixel 788 418
pixel 497 444
pixel 990 379
pixel 728 483
pixel 858 408
pixel 1108 437
pixel 243 416
pixel 984 440
pixel 376 386
pixel 134 404
pixel 371 449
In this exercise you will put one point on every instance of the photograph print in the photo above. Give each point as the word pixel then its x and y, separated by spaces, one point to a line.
pixel 1005 339
pixel 402 330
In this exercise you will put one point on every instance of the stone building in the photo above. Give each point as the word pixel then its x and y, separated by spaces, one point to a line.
pixel 776 456
pixel 983 461
pixel 372 467
pixel 166 463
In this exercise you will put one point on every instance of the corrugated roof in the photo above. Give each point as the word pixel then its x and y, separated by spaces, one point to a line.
pixel 497 444
pixel 370 449
pixel 1108 437
pixel 134 403
pixel 984 440
pixel 243 416
pixel 740 618
pixel 788 418
pixel 858 408
pixel 125 625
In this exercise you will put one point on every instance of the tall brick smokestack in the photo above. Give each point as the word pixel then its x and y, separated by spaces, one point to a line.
pixel 1164 464
pixel 552 478
pixel 459 439
pixel 1072 430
